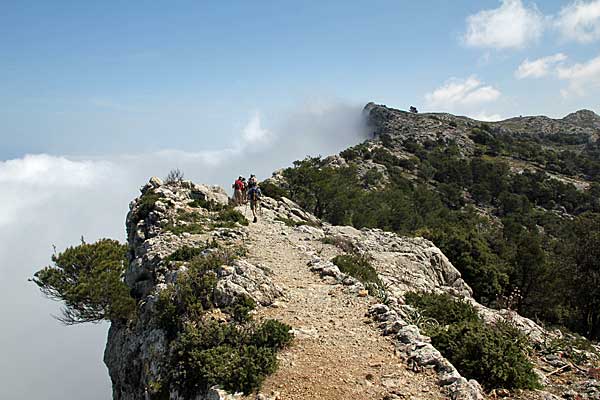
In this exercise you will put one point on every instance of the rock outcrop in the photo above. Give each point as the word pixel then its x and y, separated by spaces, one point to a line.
pixel 137 352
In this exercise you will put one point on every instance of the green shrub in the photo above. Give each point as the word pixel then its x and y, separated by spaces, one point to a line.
pixel 186 221
pixel 270 189
pixel 494 355
pixel 444 308
pixel 194 228
pixel 187 253
pixel 358 267
pixel 88 279
pixel 290 222
pixel 146 204
pixel 194 292
pixel 234 357
pixel 209 205
pixel 229 218
pixel 240 310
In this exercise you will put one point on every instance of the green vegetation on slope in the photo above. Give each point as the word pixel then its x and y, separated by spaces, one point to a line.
pixel 494 355
pixel 518 236
pixel 237 354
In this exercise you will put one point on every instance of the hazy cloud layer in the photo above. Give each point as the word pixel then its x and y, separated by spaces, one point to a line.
pixel 512 25
pixel 53 200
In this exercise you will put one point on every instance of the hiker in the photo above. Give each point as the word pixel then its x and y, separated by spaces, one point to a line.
pixel 252 181
pixel 244 191
pixel 254 194
pixel 238 187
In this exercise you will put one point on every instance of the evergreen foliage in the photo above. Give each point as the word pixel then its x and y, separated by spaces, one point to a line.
pixel 506 232
pixel 237 355
pixel 88 279
pixel 494 355
pixel 358 267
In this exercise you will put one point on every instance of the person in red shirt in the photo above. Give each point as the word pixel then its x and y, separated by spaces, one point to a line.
pixel 238 188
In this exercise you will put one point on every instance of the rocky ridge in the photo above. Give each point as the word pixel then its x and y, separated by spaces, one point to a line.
pixel 285 249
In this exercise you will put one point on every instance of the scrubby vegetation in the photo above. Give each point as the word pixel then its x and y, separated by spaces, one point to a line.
pixel 293 223
pixel 507 232
pixel 88 279
pixel 174 176
pixel 228 218
pixel 495 355
pixel 237 354
pixel 358 267
pixel 146 205
pixel 210 205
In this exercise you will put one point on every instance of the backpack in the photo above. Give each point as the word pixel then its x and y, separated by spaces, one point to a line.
pixel 254 193
pixel 238 185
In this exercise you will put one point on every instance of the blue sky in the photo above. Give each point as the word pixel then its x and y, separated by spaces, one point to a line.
pixel 81 78
pixel 97 97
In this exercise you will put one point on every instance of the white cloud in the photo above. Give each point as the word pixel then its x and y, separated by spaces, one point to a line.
pixel 538 68
pixel 53 200
pixel 581 77
pixel 579 21
pixel 484 116
pixel 254 133
pixel 458 94
pixel 512 25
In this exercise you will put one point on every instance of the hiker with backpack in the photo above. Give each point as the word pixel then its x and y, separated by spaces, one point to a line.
pixel 254 195
pixel 238 187
pixel 252 181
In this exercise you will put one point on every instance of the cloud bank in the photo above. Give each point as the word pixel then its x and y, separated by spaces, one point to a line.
pixel 54 200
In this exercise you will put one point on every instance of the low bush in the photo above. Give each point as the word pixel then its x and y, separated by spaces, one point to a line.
pixel 146 204
pixel 444 308
pixel 229 218
pixel 358 267
pixel 187 253
pixel 236 355
pixel 494 355
pixel 209 205
pixel 237 359
pixel 194 228
pixel 270 189
pixel 174 176
pixel 187 221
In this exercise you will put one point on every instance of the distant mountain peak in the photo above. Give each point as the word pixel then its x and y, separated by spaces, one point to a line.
pixel 584 118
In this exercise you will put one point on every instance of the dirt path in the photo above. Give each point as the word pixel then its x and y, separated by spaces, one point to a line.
pixel 338 352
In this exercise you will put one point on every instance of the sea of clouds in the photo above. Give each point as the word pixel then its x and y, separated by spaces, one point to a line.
pixel 51 201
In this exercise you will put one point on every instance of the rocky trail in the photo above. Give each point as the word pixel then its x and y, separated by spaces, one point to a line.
pixel 338 352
